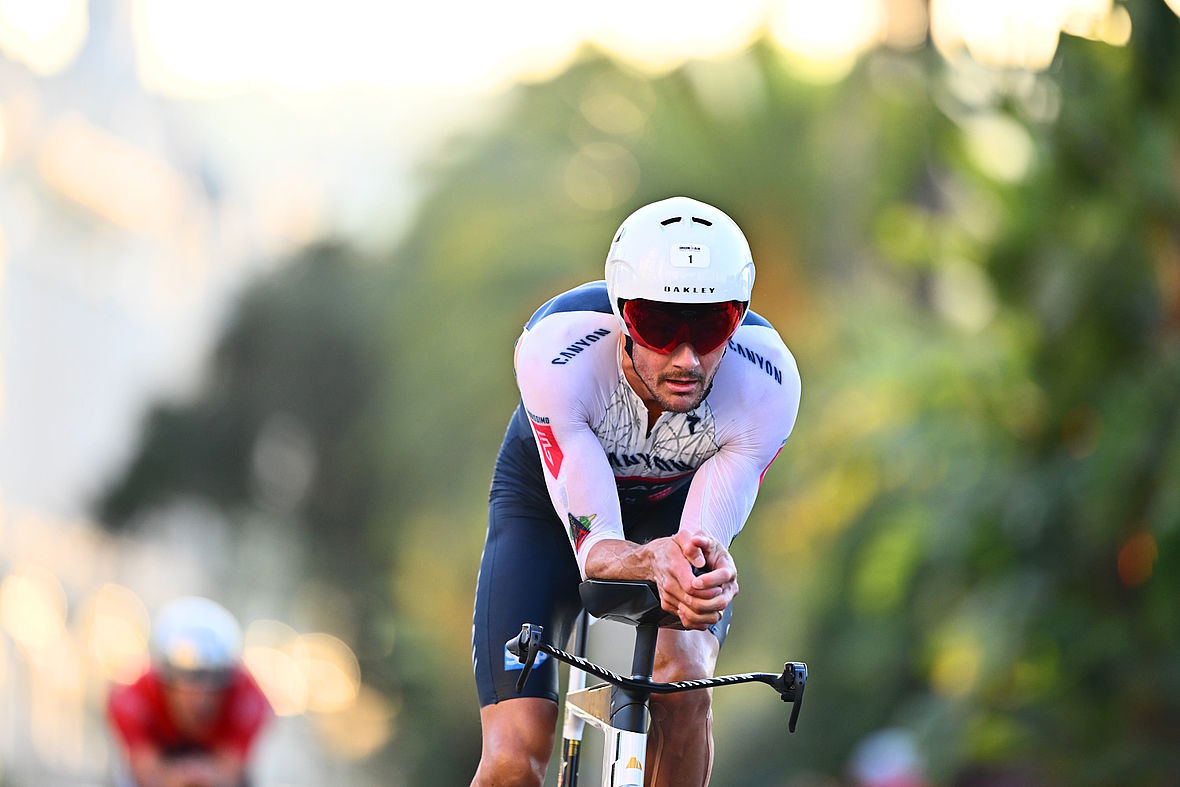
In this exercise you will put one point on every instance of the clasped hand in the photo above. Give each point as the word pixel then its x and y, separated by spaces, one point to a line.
pixel 698 601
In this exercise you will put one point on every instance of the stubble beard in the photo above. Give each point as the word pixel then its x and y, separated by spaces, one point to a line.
pixel 677 404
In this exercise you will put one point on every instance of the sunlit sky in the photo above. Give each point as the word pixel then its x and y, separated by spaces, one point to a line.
pixel 189 48
pixel 201 48
pixel 441 43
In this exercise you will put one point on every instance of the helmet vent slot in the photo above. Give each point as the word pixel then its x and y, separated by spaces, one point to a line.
pixel 699 220
pixel 672 220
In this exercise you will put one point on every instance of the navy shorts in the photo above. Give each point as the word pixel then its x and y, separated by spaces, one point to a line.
pixel 528 573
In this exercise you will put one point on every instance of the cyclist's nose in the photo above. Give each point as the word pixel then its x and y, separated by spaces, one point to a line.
pixel 685 356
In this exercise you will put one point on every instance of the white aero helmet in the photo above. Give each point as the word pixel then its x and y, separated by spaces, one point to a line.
pixel 679 250
pixel 196 637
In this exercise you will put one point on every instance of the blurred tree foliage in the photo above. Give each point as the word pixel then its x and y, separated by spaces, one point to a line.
pixel 974 532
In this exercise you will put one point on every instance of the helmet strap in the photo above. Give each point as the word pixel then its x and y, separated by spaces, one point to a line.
pixel 629 347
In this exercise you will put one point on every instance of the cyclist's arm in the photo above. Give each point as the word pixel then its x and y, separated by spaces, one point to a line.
pixel 561 403
pixel 722 492
pixel 214 769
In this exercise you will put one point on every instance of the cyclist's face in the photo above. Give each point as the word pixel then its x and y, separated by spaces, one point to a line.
pixel 194 704
pixel 678 381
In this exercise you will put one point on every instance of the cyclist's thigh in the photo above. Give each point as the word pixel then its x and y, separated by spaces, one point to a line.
pixel 527 575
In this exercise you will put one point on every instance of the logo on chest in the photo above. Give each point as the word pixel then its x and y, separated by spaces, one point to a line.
pixel 648 462
pixel 678 444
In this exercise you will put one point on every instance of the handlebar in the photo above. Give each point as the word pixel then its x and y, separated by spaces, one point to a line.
pixel 790 684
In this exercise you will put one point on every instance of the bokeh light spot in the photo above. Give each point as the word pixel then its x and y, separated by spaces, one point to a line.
pixel 33 608
pixel 114 625
pixel 955 668
pixel 999 146
pixel 612 112
pixel 601 175
pixel 3 132
pixel 333 674
pixel 963 295
pixel 824 39
pixel 1137 558
pixel 361 729
pixel 276 657
pixel 45 35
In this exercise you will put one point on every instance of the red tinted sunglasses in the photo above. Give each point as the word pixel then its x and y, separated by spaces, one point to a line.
pixel 663 327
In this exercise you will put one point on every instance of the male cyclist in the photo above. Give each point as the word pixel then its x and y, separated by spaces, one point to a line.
pixel 652 404
pixel 191 719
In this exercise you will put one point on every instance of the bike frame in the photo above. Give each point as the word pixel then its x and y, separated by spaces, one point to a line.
pixel 575 724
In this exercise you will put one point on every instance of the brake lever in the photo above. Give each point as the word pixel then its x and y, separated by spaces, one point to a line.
pixel 790 687
pixel 525 647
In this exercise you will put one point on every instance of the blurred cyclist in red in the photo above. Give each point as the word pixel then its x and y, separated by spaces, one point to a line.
pixel 190 720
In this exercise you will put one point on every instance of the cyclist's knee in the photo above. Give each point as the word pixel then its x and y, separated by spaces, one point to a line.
pixel 685 655
pixel 682 705
pixel 517 742
pixel 683 668
pixel 685 703
pixel 511 767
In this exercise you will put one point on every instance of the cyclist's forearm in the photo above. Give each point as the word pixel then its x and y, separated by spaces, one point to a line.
pixel 618 559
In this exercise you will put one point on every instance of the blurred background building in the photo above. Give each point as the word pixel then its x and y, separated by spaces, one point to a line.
pixel 261 266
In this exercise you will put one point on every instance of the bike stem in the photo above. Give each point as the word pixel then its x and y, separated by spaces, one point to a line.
pixel 630 711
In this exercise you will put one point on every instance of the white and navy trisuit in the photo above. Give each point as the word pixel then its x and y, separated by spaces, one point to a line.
pixel 578 465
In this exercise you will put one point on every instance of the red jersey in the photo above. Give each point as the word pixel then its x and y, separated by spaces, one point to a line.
pixel 139 714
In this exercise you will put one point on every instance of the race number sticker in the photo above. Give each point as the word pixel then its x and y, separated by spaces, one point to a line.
pixel 690 255
pixel 550 450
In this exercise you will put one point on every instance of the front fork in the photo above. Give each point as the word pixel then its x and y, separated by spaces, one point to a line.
pixel 574 724
pixel 571 734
